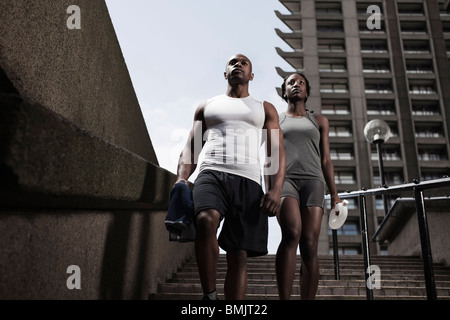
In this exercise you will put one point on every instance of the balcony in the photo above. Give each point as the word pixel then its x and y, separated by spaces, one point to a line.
pixel 293 39
pixel 292 21
pixel 294 58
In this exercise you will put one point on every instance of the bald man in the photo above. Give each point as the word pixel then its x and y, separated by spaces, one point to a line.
pixel 228 187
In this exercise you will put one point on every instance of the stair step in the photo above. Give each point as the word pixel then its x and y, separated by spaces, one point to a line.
pixel 181 296
pixel 402 278
pixel 324 274
pixel 340 289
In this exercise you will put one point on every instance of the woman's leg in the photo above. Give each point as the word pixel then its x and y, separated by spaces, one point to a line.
pixel 286 258
pixel 309 275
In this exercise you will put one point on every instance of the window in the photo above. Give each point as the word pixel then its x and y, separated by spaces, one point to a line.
pixel 394 130
pixel 348 250
pixel 376 66
pixel 350 228
pixel 432 175
pixel 331 45
pixel 328 7
pixel 444 7
pixel 431 131
pixel 388 154
pixel 342 154
pixel 425 108
pixel 379 204
pixel 330 26
pixel 332 67
pixel 384 250
pixel 416 46
pixel 373 46
pixel 361 7
pixel 419 66
pixel 380 108
pixel 391 178
pixel 446 27
pixel 410 8
pixel 335 108
pixel 333 88
pixel 352 203
pixel 344 177
pixel 432 153
pixel 413 27
pixel 340 131
pixel 422 89
pixel 378 87
pixel 364 29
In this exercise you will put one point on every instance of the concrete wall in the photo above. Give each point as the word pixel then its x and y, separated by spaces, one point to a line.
pixel 403 234
pixel 407 242
pixel 120 254
pixel 78 73
pixel 70 198
pixel 80 184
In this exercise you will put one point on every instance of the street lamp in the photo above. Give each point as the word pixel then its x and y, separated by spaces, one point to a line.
pixel 378 131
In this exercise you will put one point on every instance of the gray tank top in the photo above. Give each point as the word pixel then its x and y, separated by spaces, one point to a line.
pixel 302 144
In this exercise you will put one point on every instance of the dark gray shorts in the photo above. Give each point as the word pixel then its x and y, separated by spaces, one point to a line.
pixel 237 199
pixel 308 192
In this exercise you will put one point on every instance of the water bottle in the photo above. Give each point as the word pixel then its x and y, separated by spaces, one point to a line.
pixel 336 221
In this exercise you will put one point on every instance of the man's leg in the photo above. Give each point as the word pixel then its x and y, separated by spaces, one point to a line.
pixel 207 248
pixel 236 278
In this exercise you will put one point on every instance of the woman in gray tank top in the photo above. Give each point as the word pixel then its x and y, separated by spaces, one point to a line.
pixel 308 169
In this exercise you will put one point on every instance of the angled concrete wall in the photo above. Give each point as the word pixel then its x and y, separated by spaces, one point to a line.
pixel 78 73
pixel 401 229
pixel 80 184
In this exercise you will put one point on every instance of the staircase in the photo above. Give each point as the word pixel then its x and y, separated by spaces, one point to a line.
pixel 402 278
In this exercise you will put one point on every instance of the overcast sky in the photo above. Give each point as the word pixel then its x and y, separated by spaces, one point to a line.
pixel 176 51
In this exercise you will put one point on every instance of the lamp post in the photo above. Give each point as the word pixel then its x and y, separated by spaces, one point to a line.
pixel 377 132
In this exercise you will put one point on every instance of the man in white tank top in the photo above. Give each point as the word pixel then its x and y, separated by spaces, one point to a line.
pixel 230 128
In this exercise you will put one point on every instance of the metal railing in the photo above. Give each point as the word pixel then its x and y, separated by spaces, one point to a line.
pixel 417 188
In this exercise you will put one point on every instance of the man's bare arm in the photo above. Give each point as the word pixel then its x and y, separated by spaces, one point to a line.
pixel 187 163
pixel 270 203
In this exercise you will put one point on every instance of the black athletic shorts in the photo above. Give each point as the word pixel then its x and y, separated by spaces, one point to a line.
pixel 309 193
pixel 237 199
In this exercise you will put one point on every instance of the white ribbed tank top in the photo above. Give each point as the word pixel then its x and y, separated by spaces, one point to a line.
pixel 233 136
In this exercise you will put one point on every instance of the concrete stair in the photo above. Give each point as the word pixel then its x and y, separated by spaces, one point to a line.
pixel 402 278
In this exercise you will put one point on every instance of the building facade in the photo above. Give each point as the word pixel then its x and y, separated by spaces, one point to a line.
pixel 374 59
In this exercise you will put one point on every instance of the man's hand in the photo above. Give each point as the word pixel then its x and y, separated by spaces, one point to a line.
pixel 182 180
pixel 271 203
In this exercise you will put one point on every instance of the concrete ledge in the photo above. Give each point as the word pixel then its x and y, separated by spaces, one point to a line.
pixel 42 152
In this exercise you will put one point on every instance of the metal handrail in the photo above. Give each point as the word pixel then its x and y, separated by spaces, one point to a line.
pixel 417 188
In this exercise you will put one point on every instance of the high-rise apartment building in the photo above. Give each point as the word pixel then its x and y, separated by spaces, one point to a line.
pixel 375 59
